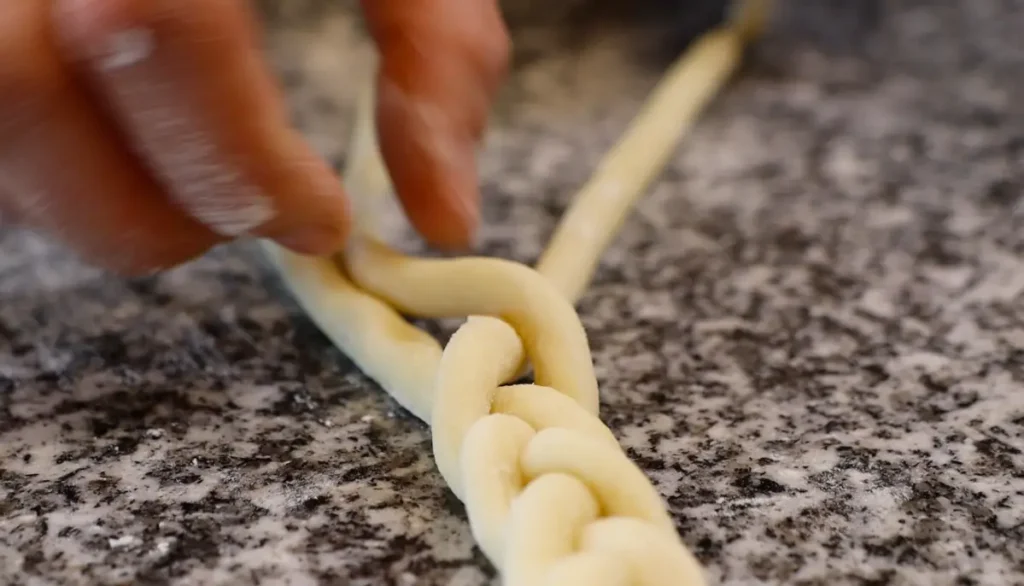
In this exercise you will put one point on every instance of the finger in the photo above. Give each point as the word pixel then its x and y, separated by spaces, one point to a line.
pixel 442 63
pixel 63 170
pixel 8 215
pixel 188 83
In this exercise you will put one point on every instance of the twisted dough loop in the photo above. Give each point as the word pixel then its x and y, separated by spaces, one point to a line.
pixel 551 497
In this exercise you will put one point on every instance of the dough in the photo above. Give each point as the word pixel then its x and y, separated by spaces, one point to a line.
pixel 551 497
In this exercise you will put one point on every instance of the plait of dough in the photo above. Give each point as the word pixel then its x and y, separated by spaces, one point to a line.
pixel 551 497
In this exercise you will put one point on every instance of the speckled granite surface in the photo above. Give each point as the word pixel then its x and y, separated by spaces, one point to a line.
pixel 810 334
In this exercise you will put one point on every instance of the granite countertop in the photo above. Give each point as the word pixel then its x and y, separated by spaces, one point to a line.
pixel 810 334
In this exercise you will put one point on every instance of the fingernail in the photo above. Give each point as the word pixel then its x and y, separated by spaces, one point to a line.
pixel 465 198
pixel 465 205
pixel 472 228
pixel 315 240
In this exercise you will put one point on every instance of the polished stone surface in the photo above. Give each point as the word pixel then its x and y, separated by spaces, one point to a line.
pixel 810 334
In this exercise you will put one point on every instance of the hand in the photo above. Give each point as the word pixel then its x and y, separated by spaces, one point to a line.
pixel 144 132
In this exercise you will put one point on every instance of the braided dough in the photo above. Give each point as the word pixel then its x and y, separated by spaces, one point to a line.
pixel 551 496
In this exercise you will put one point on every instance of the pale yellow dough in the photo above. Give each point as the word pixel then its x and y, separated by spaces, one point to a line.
pixel 551 497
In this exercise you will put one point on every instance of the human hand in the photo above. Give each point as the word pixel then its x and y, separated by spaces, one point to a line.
pixel 144 132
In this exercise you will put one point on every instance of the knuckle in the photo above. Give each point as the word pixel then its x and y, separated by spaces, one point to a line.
pixel 489 47
pixel 202 21
pixel 494 52
pixel 500 54
pixel 494 29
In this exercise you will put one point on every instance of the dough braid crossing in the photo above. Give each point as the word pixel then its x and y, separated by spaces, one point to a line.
pixel 552 499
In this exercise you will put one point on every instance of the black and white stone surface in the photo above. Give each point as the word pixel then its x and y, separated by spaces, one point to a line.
pixel 810 334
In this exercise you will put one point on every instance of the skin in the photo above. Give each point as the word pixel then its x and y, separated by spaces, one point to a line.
pixel 125 124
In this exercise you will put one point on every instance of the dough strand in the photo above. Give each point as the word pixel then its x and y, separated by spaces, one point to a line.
pixel 600 207
pixel 551 497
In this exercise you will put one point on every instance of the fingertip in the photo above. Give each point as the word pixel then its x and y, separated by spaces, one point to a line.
pixel 313 241
pixel 447 212
pixel 446 236
pixel 457 216
pixel 429 147
pixel 314 212
pixel 440 200
pixel 319 228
